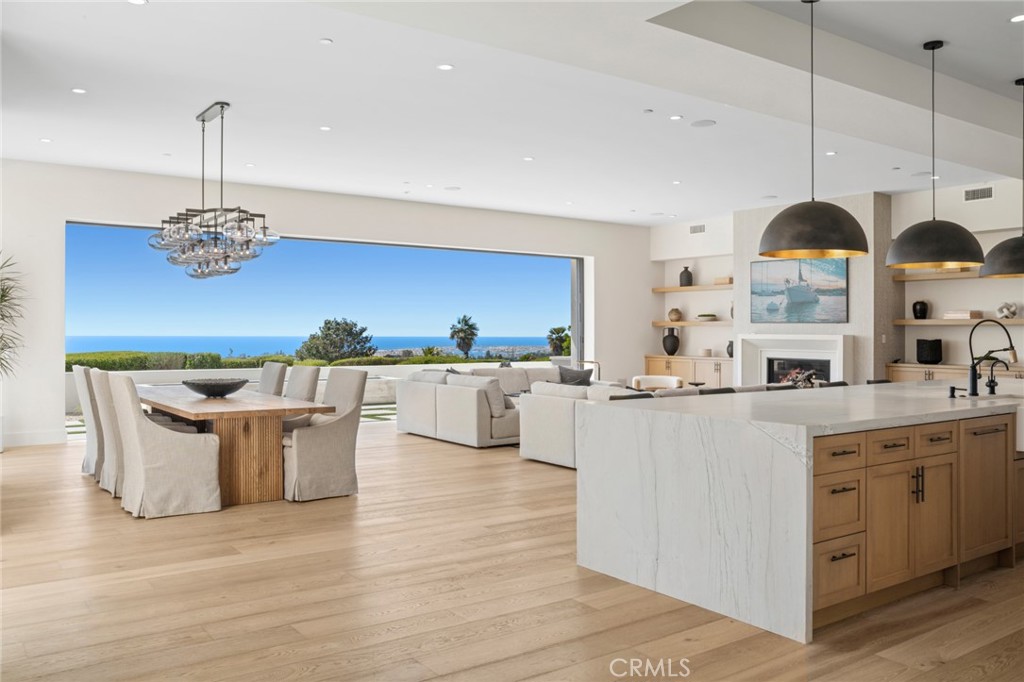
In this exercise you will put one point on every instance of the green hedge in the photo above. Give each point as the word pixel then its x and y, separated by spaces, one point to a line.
pixel 312 363
pixel 110 360
pixel 203 361
pixel 373 361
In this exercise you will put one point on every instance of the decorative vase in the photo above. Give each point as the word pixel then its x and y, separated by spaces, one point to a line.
pixel 670 342
pixel 686 277
pixel 920 309
pixel 728 349
pixel 675 315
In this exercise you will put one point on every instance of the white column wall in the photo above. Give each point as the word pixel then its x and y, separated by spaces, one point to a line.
pixel 39 199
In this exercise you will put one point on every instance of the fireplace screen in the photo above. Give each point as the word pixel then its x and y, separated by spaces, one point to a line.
pixel 786 369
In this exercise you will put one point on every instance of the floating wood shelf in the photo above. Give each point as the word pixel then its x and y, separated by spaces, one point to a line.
pixel 691 323
pixel 926 276
pixel 953 323
pixel 697 287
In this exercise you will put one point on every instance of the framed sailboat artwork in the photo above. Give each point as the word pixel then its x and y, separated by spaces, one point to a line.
pixel 799 290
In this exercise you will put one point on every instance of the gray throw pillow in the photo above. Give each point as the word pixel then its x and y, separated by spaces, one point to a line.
pixel 574 377
pixel 452 370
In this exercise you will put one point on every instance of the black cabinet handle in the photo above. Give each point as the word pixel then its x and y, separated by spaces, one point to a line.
pixel 922 484
pixel 844 555
pixel 997 429
pixel 840 453
pixel 939 439
pixel 891 446
pixel 917 476
pixel 844 489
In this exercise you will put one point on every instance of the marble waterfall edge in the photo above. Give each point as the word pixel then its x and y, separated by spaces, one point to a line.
pixel 709 510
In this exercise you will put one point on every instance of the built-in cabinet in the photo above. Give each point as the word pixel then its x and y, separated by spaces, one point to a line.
pixel 713 372
pixel 1018 468
pixel 892 505
pixel 954 374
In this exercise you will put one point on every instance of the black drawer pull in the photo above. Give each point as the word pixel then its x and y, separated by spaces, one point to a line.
pixel 840 453
pixel 939 439
pixel 844 489
pixel 890 446
pixel 844 555
pixel 997 429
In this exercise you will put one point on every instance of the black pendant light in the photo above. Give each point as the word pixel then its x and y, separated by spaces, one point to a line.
pixel 813 229
pixel 1006 259
pixel 935 243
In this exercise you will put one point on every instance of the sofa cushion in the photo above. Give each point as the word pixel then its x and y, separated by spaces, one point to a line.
pixel 673 392
pixel 750 389
pixel 511 379
pixel 605 392
pixel 535 374
pixel 490 386
pixel 559 390
pixel 507 425
pixel 509 403
pixel 429 376
pixel 575 377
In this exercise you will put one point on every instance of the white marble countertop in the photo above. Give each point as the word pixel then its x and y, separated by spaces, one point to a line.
pixel 843 409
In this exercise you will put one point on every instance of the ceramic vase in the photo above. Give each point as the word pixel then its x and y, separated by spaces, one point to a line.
pixel 920 310
pixel 728 349
pixel 686 277
pixel 670 342
pixel 675 315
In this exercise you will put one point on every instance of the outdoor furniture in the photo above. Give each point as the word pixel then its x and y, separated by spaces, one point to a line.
pixel 272 378
pixel 320 459
pixel 92 464
pixel 166 472
pixel 249 426
pixel 652 382
pixel 301 386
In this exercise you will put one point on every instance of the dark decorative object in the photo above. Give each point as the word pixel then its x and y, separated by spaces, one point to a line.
pixel 574 377
pixel 920 309
pixel 929 351
pixel 670 342
pixel 1006 259
pixel 728 349
pixel 215 388
pixel 813 229
pixel 686 277
pixel 935 243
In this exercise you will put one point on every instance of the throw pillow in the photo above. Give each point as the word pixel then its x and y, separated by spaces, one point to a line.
pixel 452 370
pixel 574 377
pixel 509 404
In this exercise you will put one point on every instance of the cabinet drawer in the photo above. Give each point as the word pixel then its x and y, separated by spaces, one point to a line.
pixel 890 445
pixel 839 453
pixel 936 439
pixel 839 570
pixel 839 504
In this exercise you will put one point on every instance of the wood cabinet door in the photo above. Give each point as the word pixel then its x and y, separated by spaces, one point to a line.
pixel 905 374
pixel 954 376
pixel 682 368
pixel 1019 470
pixel 986 465
pixel 890 541
pixel 838 570
pixel 839 504
pixel 655 366
pixel 725 373
pixel 707 371
pixel 935 513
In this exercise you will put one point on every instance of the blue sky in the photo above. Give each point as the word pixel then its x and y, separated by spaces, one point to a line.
pixel 118 286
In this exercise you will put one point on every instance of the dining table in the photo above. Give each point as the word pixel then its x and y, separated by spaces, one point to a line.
pixel 249 425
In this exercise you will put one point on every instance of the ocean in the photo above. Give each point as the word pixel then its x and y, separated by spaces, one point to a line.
pixel 262 345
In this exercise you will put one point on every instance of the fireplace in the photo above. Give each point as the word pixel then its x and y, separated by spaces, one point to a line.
pixel 785 369
pixel 759 356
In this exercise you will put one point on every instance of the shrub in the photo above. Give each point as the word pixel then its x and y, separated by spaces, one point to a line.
pixel 335 340
pixel 166 360
pixel 440 360
pixel 375 360
pixel 110 360
pixel 203 361
pixel 255 362
pixel 312 363
pixel 277 357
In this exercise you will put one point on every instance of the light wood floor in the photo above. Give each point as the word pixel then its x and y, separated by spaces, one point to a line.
pixel 451 562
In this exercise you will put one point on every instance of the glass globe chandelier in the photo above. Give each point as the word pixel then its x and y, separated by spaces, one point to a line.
pixel 212 242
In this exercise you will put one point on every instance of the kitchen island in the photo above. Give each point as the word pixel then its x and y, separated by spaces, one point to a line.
pixel 712 499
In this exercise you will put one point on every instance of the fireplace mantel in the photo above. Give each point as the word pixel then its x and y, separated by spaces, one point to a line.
pixel 755 349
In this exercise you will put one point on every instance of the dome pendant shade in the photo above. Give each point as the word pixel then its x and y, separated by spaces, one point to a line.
pixel 813 229
pixel 1005 260
pixel 935 244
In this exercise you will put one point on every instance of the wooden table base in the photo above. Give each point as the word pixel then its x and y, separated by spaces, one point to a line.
pixel 251 459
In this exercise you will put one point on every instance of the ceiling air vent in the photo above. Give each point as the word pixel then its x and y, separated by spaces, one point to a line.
pixel 697 229
pixel 977 194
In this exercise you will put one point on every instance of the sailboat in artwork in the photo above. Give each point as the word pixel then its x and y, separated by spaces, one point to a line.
pixel 800 291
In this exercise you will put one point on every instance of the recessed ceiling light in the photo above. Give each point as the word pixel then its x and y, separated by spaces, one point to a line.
pixel 527 158
pixel 677 182
pixel 1017 19
pixel 453 188
pixel 250 165
pixel 703 123
pixel 936 177
pixel 138 2
pixel 45 139
pixel 672 215
pixel 326 41
pixel 445 67
pixel 830 153
pixel 326 129
pixel 78 91
pixel 675 117
pixel 429 186
pixel 568 203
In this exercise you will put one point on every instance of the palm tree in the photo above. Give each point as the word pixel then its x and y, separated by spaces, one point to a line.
pixel 11 310
pixel 556 340
pixel 464 333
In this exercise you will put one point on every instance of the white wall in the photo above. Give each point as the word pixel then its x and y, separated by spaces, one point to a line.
pixel 1001 212
pixel 675 240
pixel 38 199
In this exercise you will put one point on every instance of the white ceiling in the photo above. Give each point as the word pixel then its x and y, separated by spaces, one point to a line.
pixel 565 83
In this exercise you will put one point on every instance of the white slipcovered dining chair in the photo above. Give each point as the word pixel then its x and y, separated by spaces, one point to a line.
pixel 301 386
pixel 272 378
pixel 166 472
pixel 92 463
pixel 655 381
pixel 320 459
